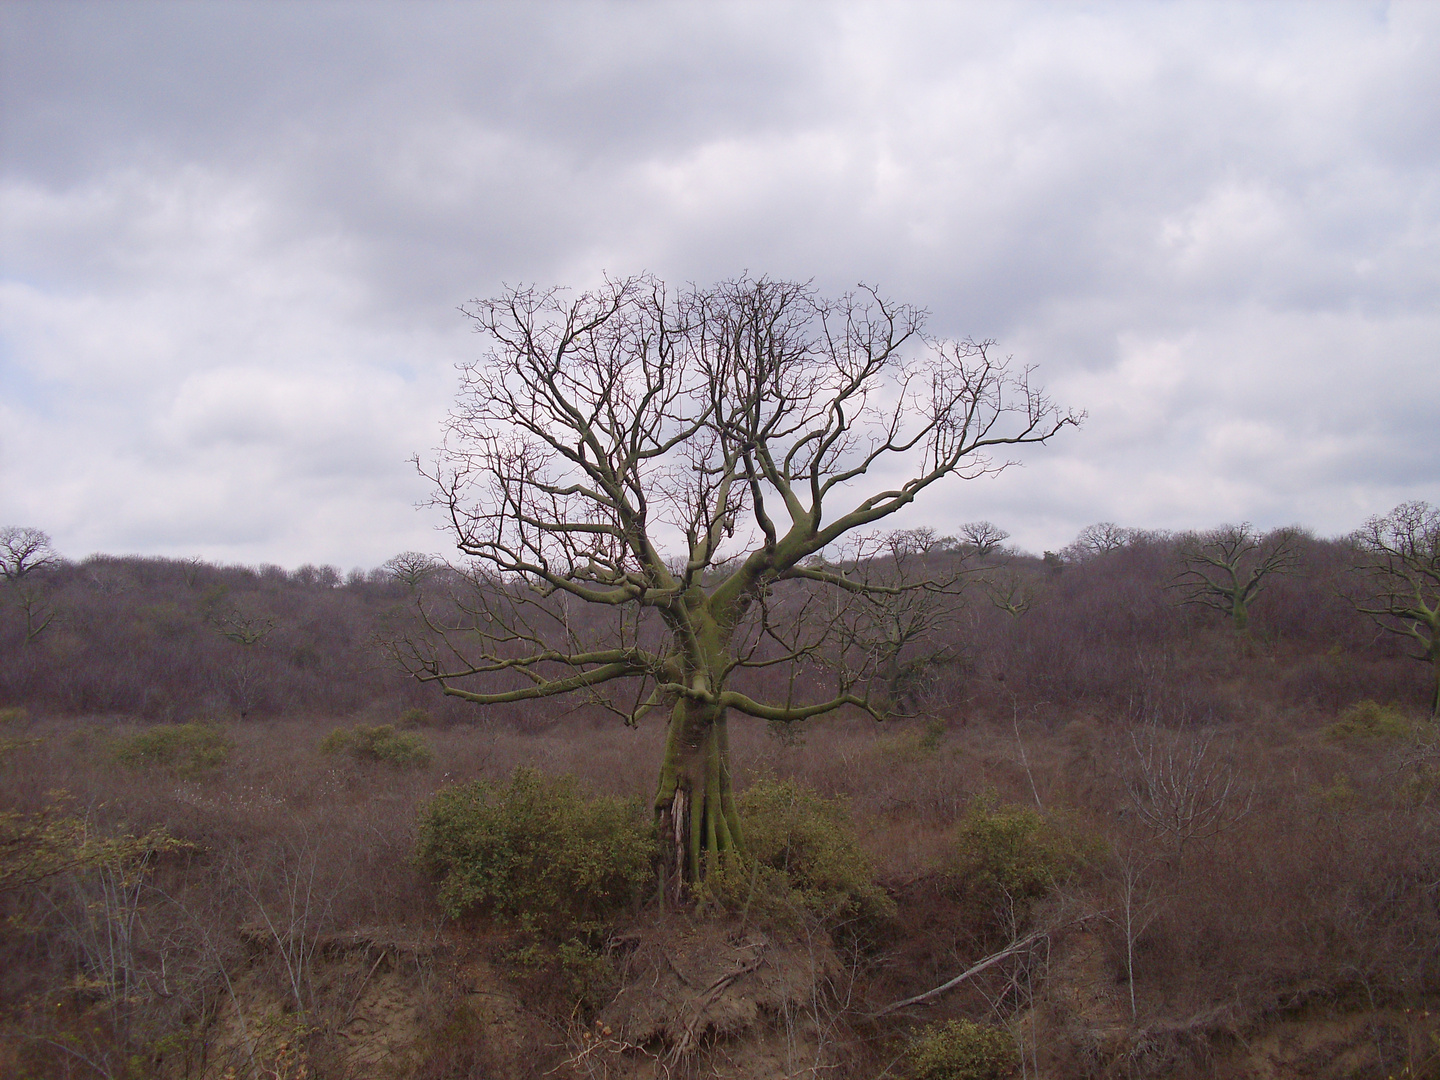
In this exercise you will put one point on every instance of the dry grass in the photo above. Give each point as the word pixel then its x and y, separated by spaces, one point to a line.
pixel 1315 886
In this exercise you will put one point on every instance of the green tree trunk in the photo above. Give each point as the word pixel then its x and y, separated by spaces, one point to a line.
pixel 695 805
pixel 1435 697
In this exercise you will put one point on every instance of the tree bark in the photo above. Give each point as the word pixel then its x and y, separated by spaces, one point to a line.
pixel 1435 696
pixel 695 809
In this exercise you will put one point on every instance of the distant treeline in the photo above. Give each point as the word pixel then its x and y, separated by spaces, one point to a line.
pixel 1102 628
pixel 173 639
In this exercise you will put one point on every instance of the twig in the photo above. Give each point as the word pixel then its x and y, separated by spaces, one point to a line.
pixel 1025 760
pixel 350 1012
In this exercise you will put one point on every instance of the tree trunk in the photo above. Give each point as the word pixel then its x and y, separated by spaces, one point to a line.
pixel 695 804
pixel 1435 697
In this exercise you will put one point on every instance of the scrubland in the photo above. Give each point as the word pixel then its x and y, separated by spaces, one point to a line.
pixel 1169 848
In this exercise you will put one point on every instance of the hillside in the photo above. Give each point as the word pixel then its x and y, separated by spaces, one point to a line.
pixel 1185 850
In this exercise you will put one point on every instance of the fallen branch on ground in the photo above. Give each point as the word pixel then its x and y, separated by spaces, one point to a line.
pixel 990 961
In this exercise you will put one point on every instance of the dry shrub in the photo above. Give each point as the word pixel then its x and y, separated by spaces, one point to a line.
pixel 456 1045
pixel 87 940
pixel 38 847
pixel 1324 894
pixel 913 745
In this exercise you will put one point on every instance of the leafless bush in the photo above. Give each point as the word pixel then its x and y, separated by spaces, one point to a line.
pixel 1184 788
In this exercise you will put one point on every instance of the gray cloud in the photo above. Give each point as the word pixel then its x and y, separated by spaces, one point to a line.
pixel 234 238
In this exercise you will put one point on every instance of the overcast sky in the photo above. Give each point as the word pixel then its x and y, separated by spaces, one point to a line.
pixel 233 238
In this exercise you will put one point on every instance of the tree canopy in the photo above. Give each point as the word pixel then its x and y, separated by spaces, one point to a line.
pixel 1399 557
pixel 708 466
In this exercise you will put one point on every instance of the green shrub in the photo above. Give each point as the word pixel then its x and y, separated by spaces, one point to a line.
pixel 34 847
pixel 584 973
pixel 1011 856
pixel 1337 801
pixel 535 853
pixel 382 743
pixel 914 744
pixel 14 717
pixel 412 718
pixel 800 856
pixel 935 732
pixel 962 1050
pixel 1369 721
pixel 182 749
pixel 1424 784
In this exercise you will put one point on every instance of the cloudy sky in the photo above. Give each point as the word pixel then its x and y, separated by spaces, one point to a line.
pixel 233 238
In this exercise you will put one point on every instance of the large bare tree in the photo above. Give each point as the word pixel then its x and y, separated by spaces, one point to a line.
pixel 1226 568
pixel 645 482
pixel 1399 556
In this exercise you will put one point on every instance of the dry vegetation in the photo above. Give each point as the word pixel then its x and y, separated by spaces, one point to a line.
pixel 1169 849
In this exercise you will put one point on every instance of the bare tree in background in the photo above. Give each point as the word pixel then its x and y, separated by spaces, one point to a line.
pixel 1010 592
pixel 908 593
pixel 24 556
pixel 1099 539
pixel 1400 560
pixel 1226 569
pixel 642 481
pixel 412 568
pixel 24 551
pixel 982 537
pixel 241 676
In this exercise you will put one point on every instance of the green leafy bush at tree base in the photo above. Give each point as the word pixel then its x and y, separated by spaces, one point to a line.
pixel 1010 857
pixel 535 852
pixel 584 971
pixel 182 749
pixel 1369 721
pixel 962 1050
pixel 382 743
pixel 800 856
